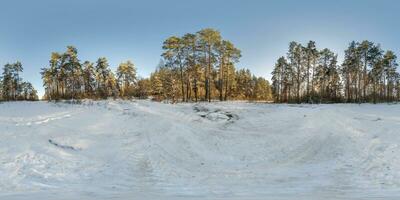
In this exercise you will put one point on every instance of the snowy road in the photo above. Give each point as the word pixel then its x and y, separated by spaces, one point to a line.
pixel 147 150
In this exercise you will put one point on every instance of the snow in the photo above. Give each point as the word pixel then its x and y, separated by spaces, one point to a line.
pixel 230 150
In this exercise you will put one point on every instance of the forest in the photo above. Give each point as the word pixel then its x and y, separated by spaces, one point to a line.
pixel 195 67
pixel 309 75
pixel 12 86
pixel 202 66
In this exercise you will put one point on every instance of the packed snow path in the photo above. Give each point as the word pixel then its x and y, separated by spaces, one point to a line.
pixel 148 150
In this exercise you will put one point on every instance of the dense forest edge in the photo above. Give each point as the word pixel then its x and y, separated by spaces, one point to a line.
pixel 201 66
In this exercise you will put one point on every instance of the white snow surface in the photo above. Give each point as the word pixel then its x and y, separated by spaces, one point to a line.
pixel 230 150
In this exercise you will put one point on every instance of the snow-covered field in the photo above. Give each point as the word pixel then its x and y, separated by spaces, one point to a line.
pixel 147 150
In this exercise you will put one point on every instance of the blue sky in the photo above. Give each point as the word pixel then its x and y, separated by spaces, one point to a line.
pixel 122 29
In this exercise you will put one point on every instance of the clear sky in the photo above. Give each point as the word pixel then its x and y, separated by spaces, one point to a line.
pixel 121 29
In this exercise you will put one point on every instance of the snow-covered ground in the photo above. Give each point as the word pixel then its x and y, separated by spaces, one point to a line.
pixel 147 150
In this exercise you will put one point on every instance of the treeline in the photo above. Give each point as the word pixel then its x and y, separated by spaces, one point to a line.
pixel 306 74
pixel 194 67
pixel 12 86
pixel 201 66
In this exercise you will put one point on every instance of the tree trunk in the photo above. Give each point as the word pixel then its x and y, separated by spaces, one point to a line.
pixel 209 75
pixel 348 87
pixel 226 84
pixel 308 78
pixel 188 90
pixel 182 84
pixel 195 90
pixel 365 77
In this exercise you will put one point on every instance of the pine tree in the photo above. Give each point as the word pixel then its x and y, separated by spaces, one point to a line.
pixel 311 54
pixel 279 79
pixel 326 79
pixel 7 79
pixel 193 70
pixel 89 79
pixel 13 87
pixel 262 89
pixel 102 77
pixel 227 54
pixel 126 76
pixel 389 66
pixel 174 55
pixel 209 40
pixel 296 55
pixel 143 88
pixel 156 86
pixel 352 72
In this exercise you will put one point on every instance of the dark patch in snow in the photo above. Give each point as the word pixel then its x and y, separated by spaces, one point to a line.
pixel 372 120
pixel 307 106
pixel 127 111
pixel 215 115
pixel 200 109
pixel 63 146
pixel 231 116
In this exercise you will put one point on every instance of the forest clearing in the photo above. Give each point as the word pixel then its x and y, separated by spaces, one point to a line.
pixel 223 150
